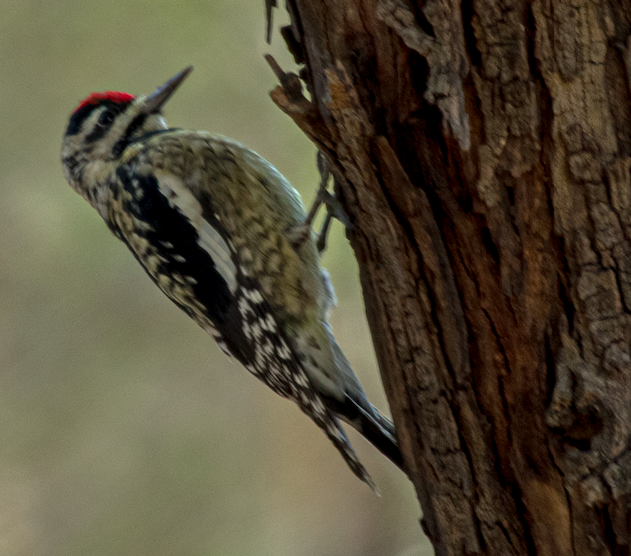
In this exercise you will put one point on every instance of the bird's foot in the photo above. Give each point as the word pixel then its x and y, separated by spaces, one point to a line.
pixel 299 234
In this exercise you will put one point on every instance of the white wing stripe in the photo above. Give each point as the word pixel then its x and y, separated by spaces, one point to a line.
pixel 211 241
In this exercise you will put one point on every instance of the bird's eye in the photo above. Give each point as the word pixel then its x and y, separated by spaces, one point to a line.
pixel 106 118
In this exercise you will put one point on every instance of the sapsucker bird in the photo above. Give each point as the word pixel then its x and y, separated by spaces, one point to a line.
pixel 212 222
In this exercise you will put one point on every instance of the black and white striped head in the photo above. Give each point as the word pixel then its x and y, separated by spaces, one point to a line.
pixel 101 128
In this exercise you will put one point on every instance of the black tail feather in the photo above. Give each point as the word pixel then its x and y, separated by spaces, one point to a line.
pixel 372 425
pixel 380 432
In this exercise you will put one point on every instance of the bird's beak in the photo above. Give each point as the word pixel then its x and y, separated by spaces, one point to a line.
pixel 156 100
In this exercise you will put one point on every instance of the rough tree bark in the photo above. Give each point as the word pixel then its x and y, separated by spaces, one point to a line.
pixel 482 149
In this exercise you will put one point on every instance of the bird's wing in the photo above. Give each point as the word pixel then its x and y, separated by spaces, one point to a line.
pixel 227 233
pixel 257 206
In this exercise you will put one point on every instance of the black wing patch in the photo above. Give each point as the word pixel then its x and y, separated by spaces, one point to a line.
pixel 174 238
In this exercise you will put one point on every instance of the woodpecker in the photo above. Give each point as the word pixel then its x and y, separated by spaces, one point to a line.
pixel 214 225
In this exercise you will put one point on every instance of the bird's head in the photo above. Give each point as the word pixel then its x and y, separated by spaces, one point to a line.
pixel 103 125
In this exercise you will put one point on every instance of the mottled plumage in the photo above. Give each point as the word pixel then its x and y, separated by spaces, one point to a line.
pixel 211 222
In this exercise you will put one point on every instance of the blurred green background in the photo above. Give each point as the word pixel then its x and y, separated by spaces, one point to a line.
pixel 123 428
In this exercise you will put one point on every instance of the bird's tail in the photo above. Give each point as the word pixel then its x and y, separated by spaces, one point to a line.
pixel 378 430
pixel 357 411
pixel 371 424
pixel 336 434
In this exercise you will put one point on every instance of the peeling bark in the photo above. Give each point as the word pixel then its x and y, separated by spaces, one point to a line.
pixel 482 149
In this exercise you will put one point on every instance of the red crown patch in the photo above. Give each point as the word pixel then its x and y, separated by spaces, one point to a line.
pixel 114 96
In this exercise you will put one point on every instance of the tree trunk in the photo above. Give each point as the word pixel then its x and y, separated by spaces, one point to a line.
pixel 482 150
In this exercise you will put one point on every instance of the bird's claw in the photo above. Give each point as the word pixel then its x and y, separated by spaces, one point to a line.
pixel 300 233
